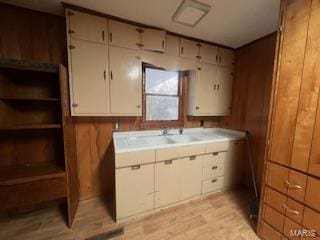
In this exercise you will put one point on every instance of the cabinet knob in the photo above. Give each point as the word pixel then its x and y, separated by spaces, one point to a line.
pixel 71 31
pixel 168 162
pixel 74 105
pixel 138 106
pixel 192 157
pixel 136 167
pixel 214 167
pixel 214 180
pixel 215 154
pixel 197 107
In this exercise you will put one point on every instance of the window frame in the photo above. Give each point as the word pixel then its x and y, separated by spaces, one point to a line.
pixel 161 123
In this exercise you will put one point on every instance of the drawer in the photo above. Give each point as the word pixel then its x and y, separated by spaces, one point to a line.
pixel 269 233
pixel 275 199
pixel 217 147
pixel 296 185
pixel 273 217
pixel 213 159
pixel 291 229
pixel 275 177
pixel 178 152
pixel 294 210
pixel 312 197
pixel 311 219
pixel 211 185
pixel 212 172
pixel 134 158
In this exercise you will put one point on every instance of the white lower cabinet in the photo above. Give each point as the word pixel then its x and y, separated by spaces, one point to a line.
pixel 212 185
pixel 233 163
pixel 134 190
pixel 191 173
pixel 167 183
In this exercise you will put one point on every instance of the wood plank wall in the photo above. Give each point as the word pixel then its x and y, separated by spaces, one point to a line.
pixel 251 96
pixel 31 35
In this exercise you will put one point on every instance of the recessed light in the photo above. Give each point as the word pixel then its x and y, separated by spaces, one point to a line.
pixel 190 12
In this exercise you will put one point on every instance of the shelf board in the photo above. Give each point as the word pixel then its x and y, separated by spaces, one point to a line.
pixel 12 175
pixel 30 99
pixel 11 64
pixel 30 126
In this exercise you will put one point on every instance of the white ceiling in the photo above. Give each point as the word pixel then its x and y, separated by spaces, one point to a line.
pixel 230 22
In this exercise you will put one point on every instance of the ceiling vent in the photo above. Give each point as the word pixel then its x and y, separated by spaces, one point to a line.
pixel 190 12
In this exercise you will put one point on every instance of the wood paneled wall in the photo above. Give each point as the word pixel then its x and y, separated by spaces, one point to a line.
pixel 31 35
pixel 251 97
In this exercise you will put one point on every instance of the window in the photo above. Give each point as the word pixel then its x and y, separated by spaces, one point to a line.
pixel 162 96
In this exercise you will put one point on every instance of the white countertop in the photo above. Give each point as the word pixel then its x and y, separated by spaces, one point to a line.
pixel 143 140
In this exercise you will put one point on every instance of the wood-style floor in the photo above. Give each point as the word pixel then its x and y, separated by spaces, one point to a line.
pixel 221 216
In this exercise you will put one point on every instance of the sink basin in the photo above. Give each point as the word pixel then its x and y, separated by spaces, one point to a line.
pixel 183 138
pixel 158 140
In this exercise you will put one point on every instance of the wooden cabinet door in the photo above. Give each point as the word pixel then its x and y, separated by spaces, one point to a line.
pixel 201 87
pixel 312 197
pixel 223 91
pixel 189 49
pixel 311 219
pixel 191 173
pixel 296 185
pixel 276 176
pixel 125 81
pixel 123 35
pixel 134 190
pixel 87 27
pixel 167 182
pixel 226 57
pixel 274 218
pixel 275 199
pixel 88 84
pixel 153 40
pixel 172 45
pixel 233 164
pixel 208 53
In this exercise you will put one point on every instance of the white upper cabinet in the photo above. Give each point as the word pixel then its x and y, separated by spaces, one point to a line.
pixel 223 91
pixel 87 27
pixel 124 35
pixel 189 49
pixel 153 40
pixel 89 86
pixel 226 57
pixel 172 45
pixel 200 90
pixel 125 81
pixel 208 53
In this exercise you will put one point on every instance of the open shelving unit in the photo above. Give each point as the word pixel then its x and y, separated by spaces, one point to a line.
pixel 38 160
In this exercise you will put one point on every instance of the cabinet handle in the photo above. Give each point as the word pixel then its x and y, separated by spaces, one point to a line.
pixel 192 157
pixel 71 31
pixel 214 167
pixel 217 60
pixel 110 37
pixel 214 180
pixel 162 44
pixel 168 162
pixel 75 105
pixel 102 35
pixel 104 74
pixel 181 50
pixel 290 210
pixel 198 57
pixel 214 87
pixel 292 186
pixel 220 59
pixel 136 167
pixel 215 154
pixel 138 106
pixel 111 75
pixel 197 107
pixel 218 87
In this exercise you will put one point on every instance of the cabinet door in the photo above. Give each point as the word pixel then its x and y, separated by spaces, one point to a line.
pixel 225 57
pixel 312 198
pixel 189 49
pixel 223 91
pixel 89 87
pixel 125 81
pixel 191 176
pixel 233 163
pixel 87 27
pixel 172 45
pixel 208 53
pixel 276 176
pixel 201 90
pixel 123 35
pixel 167 182
pixel 134 190
pixel 153 40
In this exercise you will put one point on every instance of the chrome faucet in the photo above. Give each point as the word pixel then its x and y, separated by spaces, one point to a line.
pixel 165 132
pixel 180 131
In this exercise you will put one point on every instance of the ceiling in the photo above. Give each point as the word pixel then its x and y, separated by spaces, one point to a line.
pixel 231 23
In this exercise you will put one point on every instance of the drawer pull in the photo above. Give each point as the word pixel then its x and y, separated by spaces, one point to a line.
pixel 214 167
pixel 192 157
pixel 214 180
pixel 136 167
pixel 215 154
pixel 292 186
pixel 168 162
pixel 290 210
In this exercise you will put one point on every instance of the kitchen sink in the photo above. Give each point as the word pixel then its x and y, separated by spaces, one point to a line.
pixel 183 138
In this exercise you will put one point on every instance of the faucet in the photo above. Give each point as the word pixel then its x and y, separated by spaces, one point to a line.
pixel 180 131
pixel 165 132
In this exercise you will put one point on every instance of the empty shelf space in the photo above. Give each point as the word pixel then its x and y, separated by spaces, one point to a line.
pixel 28 66
pixel 12 175
pixel 30 99
pixel 30 126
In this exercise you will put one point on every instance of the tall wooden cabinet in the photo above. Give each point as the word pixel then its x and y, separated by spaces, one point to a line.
pixel 290 193
pixel 37 137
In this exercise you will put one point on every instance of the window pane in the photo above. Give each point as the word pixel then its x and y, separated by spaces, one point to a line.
pixel 161 82
pixel 162 108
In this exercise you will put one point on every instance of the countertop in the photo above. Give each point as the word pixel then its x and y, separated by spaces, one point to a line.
pixel 144 140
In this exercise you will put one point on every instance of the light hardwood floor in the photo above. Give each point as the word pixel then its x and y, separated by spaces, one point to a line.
pixel 221 216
